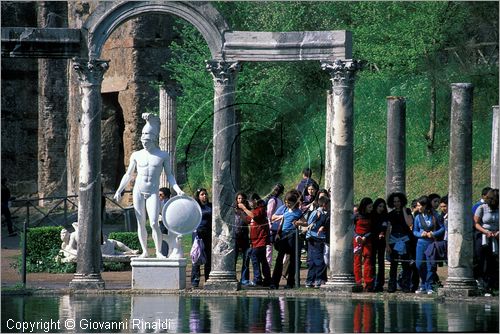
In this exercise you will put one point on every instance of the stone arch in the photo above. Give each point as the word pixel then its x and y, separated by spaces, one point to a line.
pixel 109 15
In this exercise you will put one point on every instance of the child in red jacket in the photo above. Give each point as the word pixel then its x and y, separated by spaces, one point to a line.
pixel 259 238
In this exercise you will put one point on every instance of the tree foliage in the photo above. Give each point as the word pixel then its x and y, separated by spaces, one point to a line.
pixel 407 47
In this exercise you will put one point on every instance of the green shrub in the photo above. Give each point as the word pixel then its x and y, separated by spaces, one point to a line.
pixel 42 247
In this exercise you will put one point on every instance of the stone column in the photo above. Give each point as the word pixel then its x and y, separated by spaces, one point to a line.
pixel 223 273
pixel 342 74
pixel 395 180
pixel 88 269
pixel 236 152
pixel 168 130
pixel 52 109
pixel 460 281
pixel 328 138
pixel 495 149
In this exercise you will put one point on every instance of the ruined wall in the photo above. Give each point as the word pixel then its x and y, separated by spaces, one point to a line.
pixel 52 108
pixel 137 50
pixel 19 107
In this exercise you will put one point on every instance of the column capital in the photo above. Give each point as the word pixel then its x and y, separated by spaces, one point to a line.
pixel 172 90
pixel 224 73
pixel 342 72
pixel 90 72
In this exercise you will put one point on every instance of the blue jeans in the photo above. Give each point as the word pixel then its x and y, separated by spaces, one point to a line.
pixel 424 268
pixel 259 259
pixel 315 262
pixel 245 264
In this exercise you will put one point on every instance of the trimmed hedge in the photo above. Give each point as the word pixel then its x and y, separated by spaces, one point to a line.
pixel 42 247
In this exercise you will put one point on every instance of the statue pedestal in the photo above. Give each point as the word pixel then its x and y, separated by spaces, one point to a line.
pixel 158 274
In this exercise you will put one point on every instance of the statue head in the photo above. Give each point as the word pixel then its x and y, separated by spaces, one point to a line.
pixel 65 235
pixel 151 131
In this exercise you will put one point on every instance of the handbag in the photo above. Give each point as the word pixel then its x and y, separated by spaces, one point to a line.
pixel 197 253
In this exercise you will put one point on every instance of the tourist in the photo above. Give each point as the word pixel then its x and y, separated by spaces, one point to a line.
pixel 241 239
pixel 204 232
pixel 316 236
pixel 5 207
pixel 475 261
pixel 292 218
pixel 379 228
pixel 426 228
pixel 306 179
pixel 259 237
pixel 326 253
pixel 362 244
pixel 307 203
pixel 164 196
pixel 486 224
pixel 434 200
pixel 273 203
pixel 398 239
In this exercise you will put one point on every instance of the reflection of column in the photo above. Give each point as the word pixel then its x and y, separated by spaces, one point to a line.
pixel 168 110
pixel 460 281
pixel 342 181
pixel 223 274
pixel 88 269
pixel 222 313
pixel 396 145
pixel 160 311
pixel 328 138
pixel 52 108
pixel 340 315
pixel 457 322
pixel 495 149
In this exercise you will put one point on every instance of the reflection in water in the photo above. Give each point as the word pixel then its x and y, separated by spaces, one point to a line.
pixel 172 313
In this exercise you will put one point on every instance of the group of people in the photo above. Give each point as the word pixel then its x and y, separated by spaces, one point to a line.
pixel 412 238
pixel 416 238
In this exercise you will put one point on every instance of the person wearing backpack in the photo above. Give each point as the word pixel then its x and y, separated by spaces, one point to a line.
pixel 316 237
pixel 259 239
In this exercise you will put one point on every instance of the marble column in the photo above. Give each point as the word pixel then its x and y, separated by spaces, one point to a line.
pixel 495 149
pixel 168 130
pixel 460 281
pixel 223 271
pixel 341 277
pixel 328 137
pixel 52 109
pixel 88 269
pixel 395 180
pixel 236 152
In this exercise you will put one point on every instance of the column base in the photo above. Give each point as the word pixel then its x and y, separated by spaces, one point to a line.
pixel 342 283
pixel 459 287
pixel 87 282
pixel 222 280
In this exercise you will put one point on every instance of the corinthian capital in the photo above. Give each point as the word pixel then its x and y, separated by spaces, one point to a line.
pixel 342 72
pixel 223 73
pixel 90 72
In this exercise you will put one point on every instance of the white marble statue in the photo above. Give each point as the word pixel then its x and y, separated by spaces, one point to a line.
pixel 149 162
pixel 110 246
pixel 69 246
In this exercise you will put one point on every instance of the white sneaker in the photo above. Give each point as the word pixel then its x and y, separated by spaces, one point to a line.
pixel 487 294
pixel 430 292
pixel 420 291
